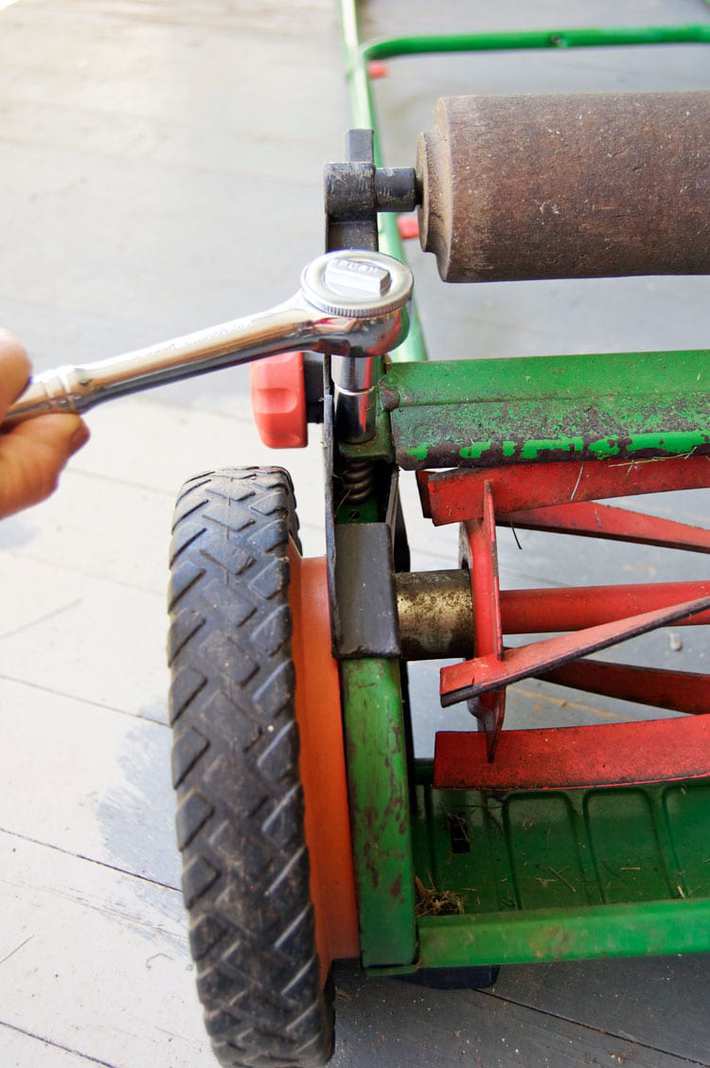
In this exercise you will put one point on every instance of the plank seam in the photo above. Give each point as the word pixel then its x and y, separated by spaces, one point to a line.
pixel 56 1045
pixel 82 700
pixel 597 1030
pixel 89 860
pixel 40 619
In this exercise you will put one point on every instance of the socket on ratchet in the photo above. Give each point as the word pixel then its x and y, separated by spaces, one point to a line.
pixel 351 304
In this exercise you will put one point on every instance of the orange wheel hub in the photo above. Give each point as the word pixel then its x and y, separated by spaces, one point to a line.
pixel 322 763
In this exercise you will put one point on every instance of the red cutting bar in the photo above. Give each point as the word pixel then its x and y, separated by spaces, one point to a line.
pixel 481 553
pixel 614 754
pixel 540 611
pixel 453 496
pixel 617 524
pixel 679 691
pixel 460 682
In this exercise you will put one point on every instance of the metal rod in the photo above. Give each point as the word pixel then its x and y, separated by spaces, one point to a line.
pixel 602 754
pixel 594 520
pixel 436 614
pixel 355 409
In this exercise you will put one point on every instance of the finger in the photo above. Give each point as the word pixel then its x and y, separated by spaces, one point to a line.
pixel 32 457
pixel 15 369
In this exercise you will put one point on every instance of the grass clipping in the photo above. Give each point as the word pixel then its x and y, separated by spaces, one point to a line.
pixel 433 902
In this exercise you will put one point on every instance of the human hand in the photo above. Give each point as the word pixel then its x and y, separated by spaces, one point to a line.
pixel 33 453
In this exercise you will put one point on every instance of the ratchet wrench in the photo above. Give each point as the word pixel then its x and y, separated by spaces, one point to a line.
pixel 351 304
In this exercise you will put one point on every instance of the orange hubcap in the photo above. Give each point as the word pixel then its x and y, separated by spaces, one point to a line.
pixel 322 763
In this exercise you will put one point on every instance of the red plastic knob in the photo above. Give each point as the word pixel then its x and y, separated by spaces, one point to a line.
pixel 278 401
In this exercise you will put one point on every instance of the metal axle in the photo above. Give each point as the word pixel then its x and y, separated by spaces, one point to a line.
pixel 435 609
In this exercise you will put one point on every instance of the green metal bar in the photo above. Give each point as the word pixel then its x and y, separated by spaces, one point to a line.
pixel 379 810
pixel 547 378
pixel 621 36
pixel 625 930
pixel 548 407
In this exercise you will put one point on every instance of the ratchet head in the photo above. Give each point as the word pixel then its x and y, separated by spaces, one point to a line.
pixel 364 297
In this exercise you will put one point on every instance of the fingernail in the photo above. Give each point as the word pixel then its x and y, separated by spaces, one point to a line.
pixel 80 437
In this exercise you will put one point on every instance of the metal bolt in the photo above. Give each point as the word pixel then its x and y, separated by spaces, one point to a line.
pixel 357 277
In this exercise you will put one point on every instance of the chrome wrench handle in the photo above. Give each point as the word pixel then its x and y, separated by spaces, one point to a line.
pixel 351 303
pixel 76 388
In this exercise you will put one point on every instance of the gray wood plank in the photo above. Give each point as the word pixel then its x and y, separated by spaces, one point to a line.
pixel 99 961
pixel 75 635
pixel 661 1001
pixel 189 228
pixel 23 1050
pixel 458 15
pixel 99 530
pixel 88 781
pixel 392 1024
pixel 113 516
pixel 182 443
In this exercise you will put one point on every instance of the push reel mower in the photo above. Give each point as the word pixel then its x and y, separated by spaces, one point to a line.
pixel 309 831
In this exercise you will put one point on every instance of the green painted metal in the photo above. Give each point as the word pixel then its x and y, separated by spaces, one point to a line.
pixel 460 412
pixel 563 875
pixel 659 928
pixel 379 810
pixel 517 40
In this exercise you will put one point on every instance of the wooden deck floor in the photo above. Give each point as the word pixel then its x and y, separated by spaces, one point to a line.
pixel 160 171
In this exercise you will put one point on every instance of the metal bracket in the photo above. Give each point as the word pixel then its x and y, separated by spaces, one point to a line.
pixel 361 555
pixel 357 190
pixel 364 585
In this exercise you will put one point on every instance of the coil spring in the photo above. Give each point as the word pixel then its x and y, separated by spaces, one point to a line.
pixel 358 481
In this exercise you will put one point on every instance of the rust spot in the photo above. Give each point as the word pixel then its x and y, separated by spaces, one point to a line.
pixel 371 864
pixel 446 454
pixel 370 816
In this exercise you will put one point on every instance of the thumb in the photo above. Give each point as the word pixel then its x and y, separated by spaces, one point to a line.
pixel 32 456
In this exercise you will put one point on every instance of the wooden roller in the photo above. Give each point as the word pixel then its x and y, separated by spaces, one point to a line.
pixel 567 186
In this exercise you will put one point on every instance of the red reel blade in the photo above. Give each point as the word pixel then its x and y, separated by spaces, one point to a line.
pixel 612 754
pixel 460 682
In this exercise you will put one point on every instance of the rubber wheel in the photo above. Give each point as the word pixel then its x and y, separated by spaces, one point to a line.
pixel 235 769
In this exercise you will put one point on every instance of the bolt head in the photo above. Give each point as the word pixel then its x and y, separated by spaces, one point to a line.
pixel 357 283
pixel 357 277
